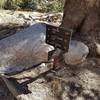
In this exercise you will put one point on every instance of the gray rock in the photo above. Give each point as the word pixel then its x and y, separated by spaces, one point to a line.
pixel 39 92
pixel 97 48
pixel 77 53
pixel 65 96
pixel 24 49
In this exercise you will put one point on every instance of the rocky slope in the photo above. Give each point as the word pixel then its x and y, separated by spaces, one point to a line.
pixel 66 82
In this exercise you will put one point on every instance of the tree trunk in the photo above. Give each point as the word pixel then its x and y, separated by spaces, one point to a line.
pixel 83 16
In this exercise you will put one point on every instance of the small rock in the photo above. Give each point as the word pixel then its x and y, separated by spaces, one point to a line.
pixel 98 48
pixel 24 49
pixel 79 98
pixel 73 94
pixel 65 96
pixel 88 94
pixel 77 53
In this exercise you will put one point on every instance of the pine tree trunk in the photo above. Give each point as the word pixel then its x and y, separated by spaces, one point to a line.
pixel 83 16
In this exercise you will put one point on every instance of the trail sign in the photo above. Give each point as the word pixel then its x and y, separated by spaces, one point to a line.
pixel 58 37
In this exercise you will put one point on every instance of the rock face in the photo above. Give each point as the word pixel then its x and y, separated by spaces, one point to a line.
pixel 24 49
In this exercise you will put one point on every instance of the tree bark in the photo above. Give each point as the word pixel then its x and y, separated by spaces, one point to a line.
pixel 83 16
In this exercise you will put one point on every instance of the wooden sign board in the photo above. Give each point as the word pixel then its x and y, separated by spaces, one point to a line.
pixel 58 37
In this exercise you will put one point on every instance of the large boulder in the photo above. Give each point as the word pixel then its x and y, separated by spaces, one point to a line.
pixel 24 49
